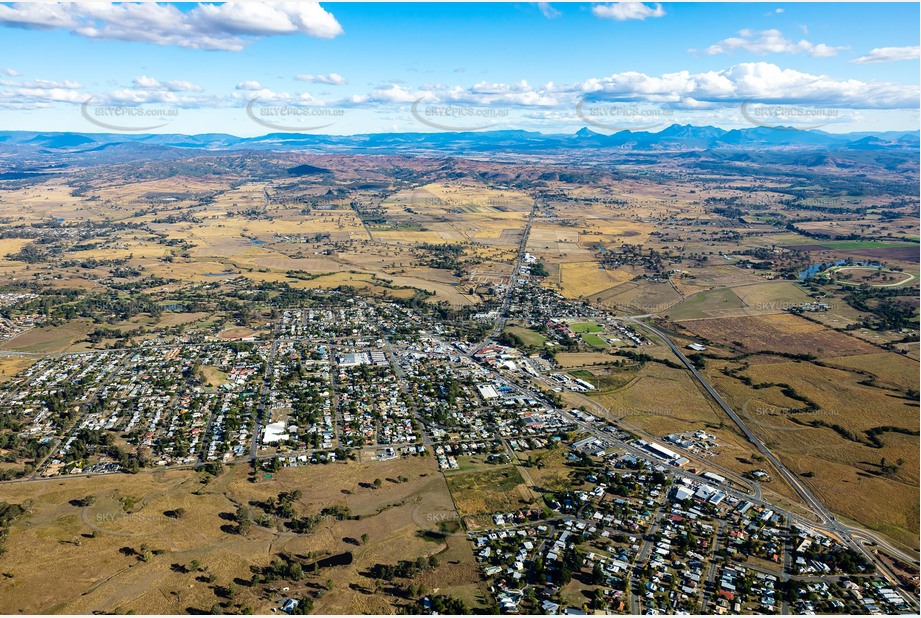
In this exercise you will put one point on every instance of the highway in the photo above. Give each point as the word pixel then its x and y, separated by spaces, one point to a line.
pixel 829 523
pixel 513 279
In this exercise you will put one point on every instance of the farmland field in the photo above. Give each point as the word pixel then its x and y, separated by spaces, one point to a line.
pixel 781 332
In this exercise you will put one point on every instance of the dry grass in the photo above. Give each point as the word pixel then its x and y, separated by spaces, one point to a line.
pixel 11 365
pixel 580 279
pixel 93 575
pixel 495 490
pixel 50 339
pixel 846 471
pixel 781 332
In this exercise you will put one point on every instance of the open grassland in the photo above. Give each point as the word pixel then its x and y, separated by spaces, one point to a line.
pixel 770 297
pixel 712 304
pixel 659 399
pixel 581 279
pixel 11 365
pixel 713 274
pixel 453 212
pixel 839 446
pixel 580 359
pixel 477 494
pixel 888 369
pixel 529 337
pixel 780 333
pixel 98 552
pixel 638 297
pixel 49 339
pixel 740 300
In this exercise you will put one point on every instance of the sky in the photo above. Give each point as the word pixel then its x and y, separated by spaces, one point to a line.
pixel 251 68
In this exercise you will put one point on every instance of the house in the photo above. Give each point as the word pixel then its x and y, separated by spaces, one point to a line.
pixel 290 605
pixel 549 607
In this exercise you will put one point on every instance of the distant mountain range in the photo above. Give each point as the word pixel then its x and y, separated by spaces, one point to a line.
pixel 673 138
pixel 31 154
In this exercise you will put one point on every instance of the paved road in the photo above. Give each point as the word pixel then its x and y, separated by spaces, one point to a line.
pixel 710 582
pixel 263 395
pixel 828 521
pixel 639 561
pixel 401 384
pixel 513 279
pixel 807 496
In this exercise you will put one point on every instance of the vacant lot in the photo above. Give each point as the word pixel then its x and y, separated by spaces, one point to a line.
pixel 529 337
pixel 481 493
pixel 50 339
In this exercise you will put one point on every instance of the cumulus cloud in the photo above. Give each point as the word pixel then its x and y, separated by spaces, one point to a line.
pixel 761 81
pixel 484 94
pixel 144 96
pixel 756 82
pixel 622 11
pixel 227 27
pixel 149 83
pixel 770 42
pixel 11 72
pixel 332 79
pixel 38 93
pixel 393 93
pixel 263 96
pixel 890 54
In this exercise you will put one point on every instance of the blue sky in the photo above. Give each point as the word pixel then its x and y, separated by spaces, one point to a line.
pixel 255 68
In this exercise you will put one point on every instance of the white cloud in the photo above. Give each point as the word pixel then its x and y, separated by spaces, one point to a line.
pixel 683 91
pixel 149 83
pixel 39 93
pixel 264 96
pixel 622 11
pixel 759 81
pixel 547 10
pixel 333 79
pixel 228 27
pixel 142 96
pixel 42 84
pixel 11 72
pixel 394 93
pixel 770 42
pixel 890 54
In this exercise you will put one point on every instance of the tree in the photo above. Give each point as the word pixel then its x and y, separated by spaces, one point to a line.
pixel 377 483
pixel 244 520
pixel 364 538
